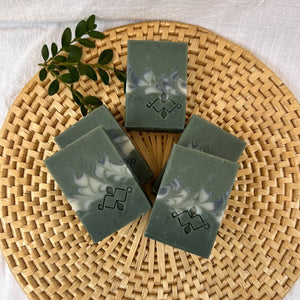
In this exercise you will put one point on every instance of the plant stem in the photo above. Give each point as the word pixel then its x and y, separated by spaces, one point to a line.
pixel 75 63
pixel 101 66
pixel 65 84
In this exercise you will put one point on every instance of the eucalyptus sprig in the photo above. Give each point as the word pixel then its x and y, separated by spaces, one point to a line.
pixel 66 67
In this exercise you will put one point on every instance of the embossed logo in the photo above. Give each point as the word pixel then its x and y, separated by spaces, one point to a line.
pixel 115 198
pixel 130 162
pixel 163 105
pixel 189 220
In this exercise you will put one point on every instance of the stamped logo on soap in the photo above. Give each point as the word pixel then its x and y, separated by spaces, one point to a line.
pixel 115 198
pixel 163 105
pixel 190 221
pixel 130 162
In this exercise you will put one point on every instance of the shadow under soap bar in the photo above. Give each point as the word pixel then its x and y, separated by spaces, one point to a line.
pixel 156 85
pixel 191 200
pixel 102 116
pixel 98 184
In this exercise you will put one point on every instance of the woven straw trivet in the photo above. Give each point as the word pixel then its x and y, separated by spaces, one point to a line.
pixel 256 254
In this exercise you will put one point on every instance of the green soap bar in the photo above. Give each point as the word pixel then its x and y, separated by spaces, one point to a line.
pixel 191 200
pixel 202 135
pixel 98 184
pixel 156 85
pixel 102 116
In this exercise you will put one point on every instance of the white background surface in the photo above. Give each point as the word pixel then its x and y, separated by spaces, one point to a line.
pixel 270 29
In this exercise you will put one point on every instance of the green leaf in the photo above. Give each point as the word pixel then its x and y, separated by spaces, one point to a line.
pixel 82 68
pixel 59 67
pixel 75 54
pixel 74 73
pixel 96 35
pixel 83 110
pixel 66 48
pixel 104 76
pixel 87 43
pixel 53 88
pixel 125 86
pixel 120 75
pixel 105 57
pixel 90 21
pixel 78 94
pixel 87 70
pixel 55 72
pixel 66 37
pixel 51 67
pixel 53 49
pixel 91 100
pixel 76 99
pixel 80 29
pixel 91 74
pixel 43 74
pixel 45 52
pixel 59 58
pixel 66 78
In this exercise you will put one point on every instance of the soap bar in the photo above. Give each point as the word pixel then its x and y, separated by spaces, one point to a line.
pixel 102 116
pixel 98 184
pixel 191 200
pixel 204 136
pixel 156 85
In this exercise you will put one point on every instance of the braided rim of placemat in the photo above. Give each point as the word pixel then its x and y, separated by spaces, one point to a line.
pixel 256 254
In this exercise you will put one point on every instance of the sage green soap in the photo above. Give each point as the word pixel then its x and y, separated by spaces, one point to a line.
pixel 102 116
pixel 202 135
pixel 98 184
pixel 191 200
pixel 156 85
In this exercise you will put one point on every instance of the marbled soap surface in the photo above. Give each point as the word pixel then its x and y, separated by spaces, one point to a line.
pixel 102 116
pixel 156 85
pixel 204 136
pixel 98 184
pixel 191 200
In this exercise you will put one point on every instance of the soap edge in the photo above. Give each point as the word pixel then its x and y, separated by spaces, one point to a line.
pixel 113 146
pixel 147 168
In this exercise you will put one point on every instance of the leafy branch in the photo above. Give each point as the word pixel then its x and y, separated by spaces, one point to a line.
pixel 66 67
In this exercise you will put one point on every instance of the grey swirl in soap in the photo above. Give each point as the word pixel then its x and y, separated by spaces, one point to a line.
pixel 156 85
pixel 97 183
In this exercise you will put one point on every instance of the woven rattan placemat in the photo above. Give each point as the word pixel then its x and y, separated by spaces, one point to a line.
pixel 256 254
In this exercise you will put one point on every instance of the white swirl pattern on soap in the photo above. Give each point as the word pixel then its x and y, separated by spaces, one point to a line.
pixel 171 85
pixel 124 144
pixel 93 188
pixel 180 199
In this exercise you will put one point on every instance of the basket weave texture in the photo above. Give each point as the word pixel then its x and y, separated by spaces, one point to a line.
pixel 256 253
